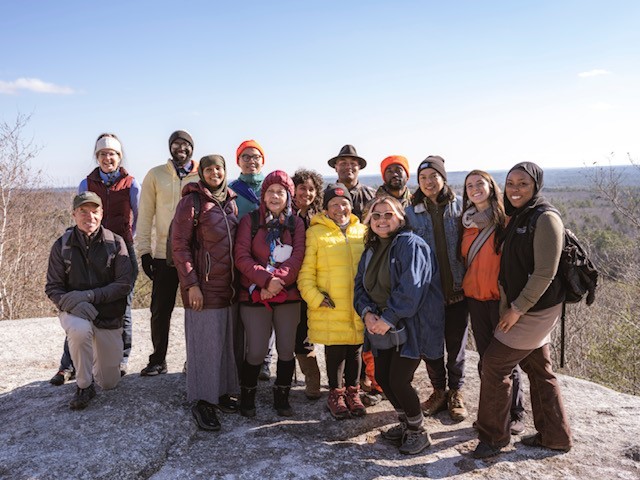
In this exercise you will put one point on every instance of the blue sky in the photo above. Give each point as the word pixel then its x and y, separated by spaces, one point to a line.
pixel 485 84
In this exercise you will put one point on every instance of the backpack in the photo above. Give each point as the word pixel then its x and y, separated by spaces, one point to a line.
pixel 196 215
pixel 577 272
pixel 255 223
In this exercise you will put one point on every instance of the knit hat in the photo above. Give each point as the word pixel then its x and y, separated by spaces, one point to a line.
pixel 394 160
pixel 280 177
pixel 108 143
pixel 182 135
pixel 248 144
pixel 334 190
pixel 348 151
pixel 436 162
pixel 86 197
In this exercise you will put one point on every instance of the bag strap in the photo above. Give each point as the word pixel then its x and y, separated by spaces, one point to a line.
pixel 245 191
pixel 478 242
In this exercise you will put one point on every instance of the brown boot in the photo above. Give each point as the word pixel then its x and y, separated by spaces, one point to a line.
pixel 435 403
pixel 336 403
pixel 455 404
pixel 354 404
pixel 311 372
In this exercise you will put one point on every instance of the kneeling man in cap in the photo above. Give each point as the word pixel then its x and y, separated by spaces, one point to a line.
pixel 88 279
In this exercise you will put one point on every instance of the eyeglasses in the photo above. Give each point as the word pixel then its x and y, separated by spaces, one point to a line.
pixel 386 215
pixel 250 158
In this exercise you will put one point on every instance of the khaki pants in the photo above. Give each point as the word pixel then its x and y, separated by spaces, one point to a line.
pixel 96 352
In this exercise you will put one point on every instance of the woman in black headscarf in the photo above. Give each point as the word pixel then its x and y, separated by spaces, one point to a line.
pixel 202 251
pixel 531 305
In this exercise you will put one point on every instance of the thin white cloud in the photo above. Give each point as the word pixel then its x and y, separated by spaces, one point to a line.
pixel 601 106
pixel 594 73
pixel 33 85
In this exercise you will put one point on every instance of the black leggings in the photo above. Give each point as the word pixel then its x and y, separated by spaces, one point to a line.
pixel 343 360
pixel 395 374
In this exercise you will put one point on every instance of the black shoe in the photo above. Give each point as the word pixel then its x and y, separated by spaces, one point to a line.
pixel 534 441
pixel 153 370
pixel 228 404
pixel 62 376
pixel 248 401
pixel 82 397
pixel 484 450
pixel 205 415
pixel 281 401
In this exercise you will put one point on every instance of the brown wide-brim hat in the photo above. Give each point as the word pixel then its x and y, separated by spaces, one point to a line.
pixel 346 152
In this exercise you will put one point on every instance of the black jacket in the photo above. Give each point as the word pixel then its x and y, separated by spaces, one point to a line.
pixel 102 265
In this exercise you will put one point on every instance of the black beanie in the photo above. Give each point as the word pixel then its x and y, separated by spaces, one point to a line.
pixel 436 162
pixel 182 135
pixel 334 190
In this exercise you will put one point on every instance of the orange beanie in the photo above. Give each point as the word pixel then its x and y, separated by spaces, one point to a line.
pixel 395 160
pixel 248 144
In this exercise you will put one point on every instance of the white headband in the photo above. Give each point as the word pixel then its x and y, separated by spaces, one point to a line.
pixel 110 143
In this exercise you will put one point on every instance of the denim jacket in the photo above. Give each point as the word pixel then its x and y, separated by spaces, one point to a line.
pixel 416 296
pixel 420 221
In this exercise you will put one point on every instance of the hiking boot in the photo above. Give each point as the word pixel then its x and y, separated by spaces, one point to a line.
pixel 265 372
pixel 311 372
pixel 248 401
pixel 455 404
pixel 281 401
pixel 535 441
pixel 153 370
pixel 354 404
pixel 484 450
pixel 82 397
pixel 516 426
pixel 62 376
pixel 395 433
pixel 372 397
pixel 228 404
pixel 435 403
pixel 337 405
pixel 414 441
pixel 205 415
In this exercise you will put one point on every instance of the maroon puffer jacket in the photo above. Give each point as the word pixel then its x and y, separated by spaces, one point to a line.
pixel 209 264
pixel 252 255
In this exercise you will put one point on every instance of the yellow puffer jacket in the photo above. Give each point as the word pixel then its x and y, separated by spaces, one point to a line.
pixel 330 265
pixel 161 192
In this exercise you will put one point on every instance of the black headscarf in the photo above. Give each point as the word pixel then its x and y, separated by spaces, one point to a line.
pixel 536 173
pixel 220 193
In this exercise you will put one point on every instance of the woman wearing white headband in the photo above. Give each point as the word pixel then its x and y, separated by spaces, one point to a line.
pixel 120 194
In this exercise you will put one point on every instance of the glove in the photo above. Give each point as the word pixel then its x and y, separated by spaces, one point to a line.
pixel 84 310
pixel 147 265
pixel 70 299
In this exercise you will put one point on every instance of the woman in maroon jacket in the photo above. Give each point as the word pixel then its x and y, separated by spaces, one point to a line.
pixel 268 253
pixel 203 254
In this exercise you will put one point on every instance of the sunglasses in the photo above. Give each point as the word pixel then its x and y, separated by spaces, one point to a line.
pixel 379 215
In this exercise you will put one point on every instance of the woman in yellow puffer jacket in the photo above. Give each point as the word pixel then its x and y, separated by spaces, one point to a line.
pixel 326 281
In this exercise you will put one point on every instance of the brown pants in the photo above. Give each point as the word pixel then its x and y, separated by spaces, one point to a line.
pixel 549 416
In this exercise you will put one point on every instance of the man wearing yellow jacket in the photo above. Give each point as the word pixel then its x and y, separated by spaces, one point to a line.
pixel 161 192
pixel 334 245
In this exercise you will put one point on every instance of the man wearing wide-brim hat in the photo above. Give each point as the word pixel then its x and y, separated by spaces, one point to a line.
pixel 348 165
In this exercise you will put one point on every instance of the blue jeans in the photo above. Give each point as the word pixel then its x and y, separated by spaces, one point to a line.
pixel 127 331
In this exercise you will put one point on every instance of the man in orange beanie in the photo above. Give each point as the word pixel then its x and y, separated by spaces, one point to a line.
pixel 395 175
pixel 250 159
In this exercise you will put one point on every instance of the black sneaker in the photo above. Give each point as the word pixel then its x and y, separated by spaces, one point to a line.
pixel 82 397
pixel 153 370
pixel 228 404
pixel 62 376
pixel 205 415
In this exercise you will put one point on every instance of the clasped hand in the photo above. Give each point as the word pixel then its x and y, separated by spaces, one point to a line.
pixel 274 287
pixel 375 324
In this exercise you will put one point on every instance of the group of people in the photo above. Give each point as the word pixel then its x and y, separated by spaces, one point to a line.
pixel 385 279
